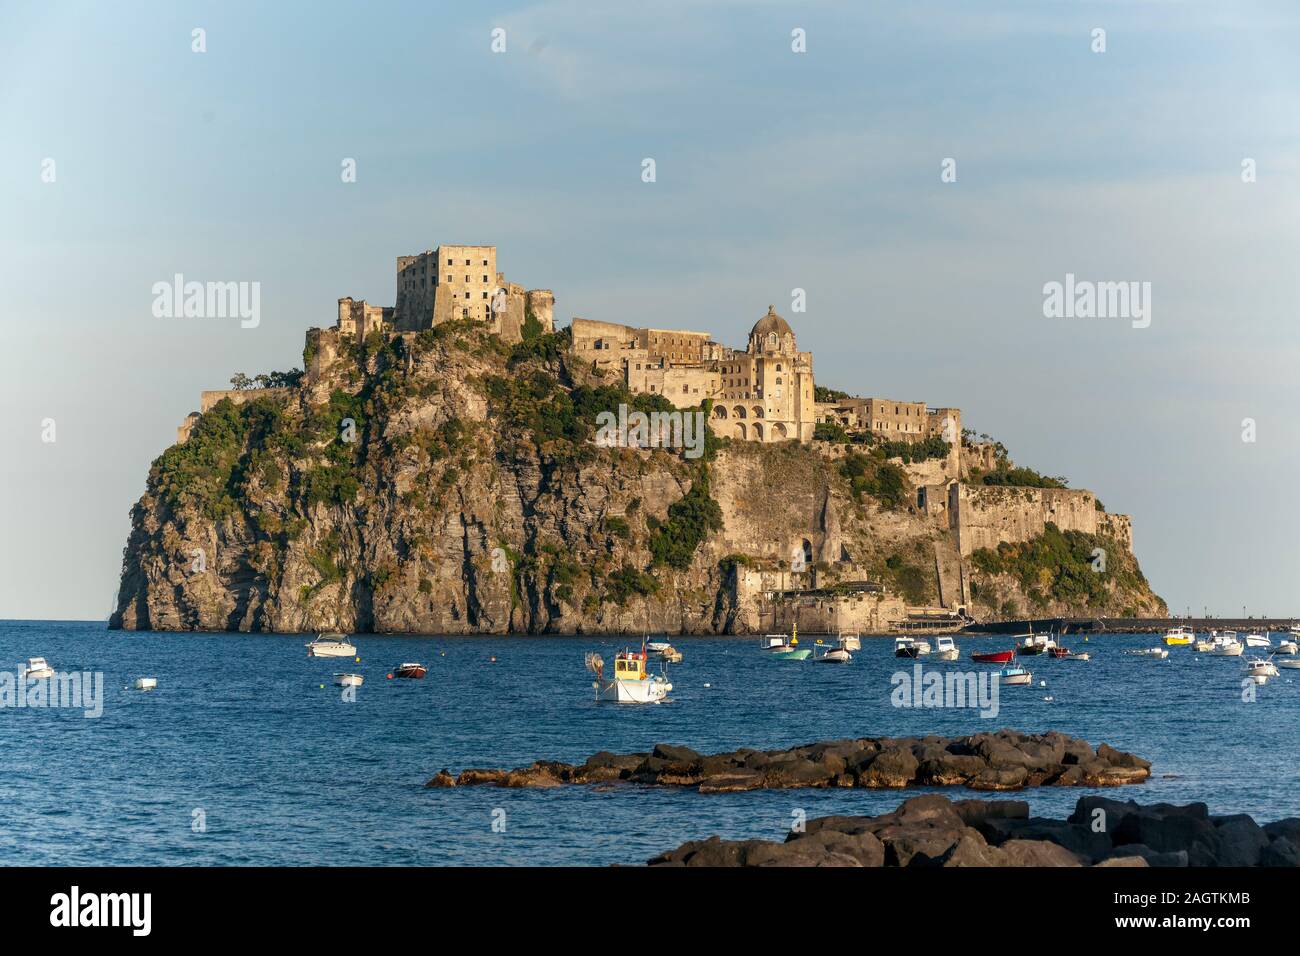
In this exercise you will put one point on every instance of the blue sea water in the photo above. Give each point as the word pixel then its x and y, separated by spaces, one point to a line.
pixel 251 732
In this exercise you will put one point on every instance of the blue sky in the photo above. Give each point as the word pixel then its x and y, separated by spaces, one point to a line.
pixel 775 170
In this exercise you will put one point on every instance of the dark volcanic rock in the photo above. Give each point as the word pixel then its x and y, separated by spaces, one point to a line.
pixel 931 831
pixel 1005 760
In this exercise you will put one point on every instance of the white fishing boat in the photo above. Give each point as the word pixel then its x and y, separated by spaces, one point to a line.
pixel 1035 644
pixel 1287 646
pixel 631 683
pixel 1227 645
pixel 850 641
pixel 348 680
pixel 922 647
pixel 1158 653
pixel 1015 677
pixel 146 683
pixel 1290 663
pixel 37 669
pixel 945 649
pixel 1258 640
pixel 330 645
pixel 828 654
pixel 663 651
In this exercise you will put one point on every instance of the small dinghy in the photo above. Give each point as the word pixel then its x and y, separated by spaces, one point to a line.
pixel 348 680
pixel 832 655
pixel 413 671
pixel 1155 653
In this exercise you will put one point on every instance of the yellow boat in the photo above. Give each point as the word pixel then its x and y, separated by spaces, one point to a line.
pixel 1180 635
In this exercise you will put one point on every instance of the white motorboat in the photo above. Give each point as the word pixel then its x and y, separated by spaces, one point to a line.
pixel 1258 640
pixel 1158 653
pixel 850 641
pixel 905 647
pixel 1227 645
pixel 1258 666
pixel 331 645
pixel 348 680
pixel 922 647
pixel 37 669
pixel 631 683
pixel 945 649
pixel 1035 644
pixel 1291 663
pixel 146 683
pixel 1015 677
pixel 1287 646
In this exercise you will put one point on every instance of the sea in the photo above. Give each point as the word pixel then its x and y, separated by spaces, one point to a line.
pixel 247 754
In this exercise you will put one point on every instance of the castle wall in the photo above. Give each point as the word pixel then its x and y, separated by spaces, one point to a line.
pixel 986 515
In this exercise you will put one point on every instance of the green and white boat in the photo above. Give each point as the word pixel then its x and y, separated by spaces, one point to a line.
pixel 780 648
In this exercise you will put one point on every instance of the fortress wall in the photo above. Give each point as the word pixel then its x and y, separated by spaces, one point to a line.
pixel 239 396
pixel 987 515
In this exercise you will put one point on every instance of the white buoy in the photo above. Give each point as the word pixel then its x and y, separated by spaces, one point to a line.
pixel 708 685
pixel 1042 683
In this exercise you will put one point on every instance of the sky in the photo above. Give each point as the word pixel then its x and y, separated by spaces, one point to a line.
pixel 774 171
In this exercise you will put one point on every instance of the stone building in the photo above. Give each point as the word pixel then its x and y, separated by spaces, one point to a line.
pixel 359 318
pixel 462 282
pixel 764 393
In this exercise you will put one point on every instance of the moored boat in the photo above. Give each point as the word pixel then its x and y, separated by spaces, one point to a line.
pixel 1258 666
pixel 348 680
pixel 1291 663
pixel 37 669
pixel 663 651
pixel 1035 644
pixel 632 683
pixel 1287 646
pixel 1258 640
pixel 330 645
pixel 1158 653
pixel 1072 656
pixel 850 641
pixel 1015 676
pixel 831 655
pixel 945 649
pixel 781 648
pixel 1180 635
pixel 146 683
pixel 1227 645
pixel 412 670
pixel 905 647
pixel 994 657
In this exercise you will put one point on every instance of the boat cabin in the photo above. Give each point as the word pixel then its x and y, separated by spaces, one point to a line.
pixel 629 665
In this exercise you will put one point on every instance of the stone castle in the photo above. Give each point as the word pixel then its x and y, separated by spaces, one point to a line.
pixel 764 393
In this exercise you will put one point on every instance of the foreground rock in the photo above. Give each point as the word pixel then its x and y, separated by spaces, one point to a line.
pixel 933 831
pixel 1005 760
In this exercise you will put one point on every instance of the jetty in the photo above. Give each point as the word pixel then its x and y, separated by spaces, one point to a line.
pixel 1129 625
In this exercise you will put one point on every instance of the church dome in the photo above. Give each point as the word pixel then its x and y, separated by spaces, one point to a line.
pixel 771 323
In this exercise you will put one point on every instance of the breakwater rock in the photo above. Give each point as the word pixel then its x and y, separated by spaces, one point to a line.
pixel 1005 760
pixel 931 830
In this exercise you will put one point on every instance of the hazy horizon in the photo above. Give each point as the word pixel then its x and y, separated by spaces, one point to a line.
pixel 775 171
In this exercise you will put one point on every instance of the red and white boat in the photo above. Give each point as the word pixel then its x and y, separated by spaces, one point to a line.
pixel 415 671
pixel 997 657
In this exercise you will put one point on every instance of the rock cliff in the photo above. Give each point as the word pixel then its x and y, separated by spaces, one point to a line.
pixel 447 482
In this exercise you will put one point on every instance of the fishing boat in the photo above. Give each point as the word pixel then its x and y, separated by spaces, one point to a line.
pixel 922 647
pixel 1180 635
pixel 826 654
pixel 37 669
pixel 146 683
pixel 1258 640
pixel 1227 645
pixel 412 670
pixel 348 680
pixel 945 649
pixel 1205 644
pixel 905 647
pixel 850 641
pixel 1015 677
pixel 1158 653
pixel 632 683
pixel 330 645
pixel 1035 644
pixel 995 657
pixel 663 651
pixel 779 648
pixel 1291 663
pixel 1072 656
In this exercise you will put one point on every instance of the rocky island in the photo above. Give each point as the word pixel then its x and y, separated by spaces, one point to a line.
pixel 455 465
